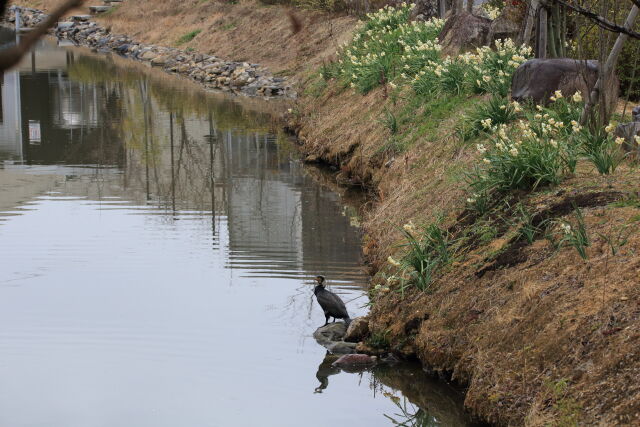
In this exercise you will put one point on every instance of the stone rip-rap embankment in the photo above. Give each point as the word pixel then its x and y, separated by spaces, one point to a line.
pixel 210 71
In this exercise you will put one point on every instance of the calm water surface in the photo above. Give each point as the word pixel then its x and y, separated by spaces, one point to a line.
pixel 157 245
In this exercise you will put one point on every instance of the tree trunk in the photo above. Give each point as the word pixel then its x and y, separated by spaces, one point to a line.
pixel 470 6
pixel 442 5
pixel 607 71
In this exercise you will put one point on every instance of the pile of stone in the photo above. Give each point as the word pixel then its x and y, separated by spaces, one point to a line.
pixel 340 338
pixel 28 17
pixel 210 71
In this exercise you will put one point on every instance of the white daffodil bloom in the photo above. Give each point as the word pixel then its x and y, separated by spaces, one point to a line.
pixel 393 262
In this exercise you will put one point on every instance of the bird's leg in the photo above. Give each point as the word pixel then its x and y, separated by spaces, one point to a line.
pixel 334 320
pixel 326 319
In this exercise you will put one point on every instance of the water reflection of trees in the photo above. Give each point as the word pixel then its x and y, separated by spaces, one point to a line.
pixel 184 150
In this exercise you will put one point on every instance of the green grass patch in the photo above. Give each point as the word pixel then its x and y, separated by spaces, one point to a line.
pixel 110 11
pixel 379 340
pixel 229 26
pixel 631 202
pixel 427 250
pixel 188 37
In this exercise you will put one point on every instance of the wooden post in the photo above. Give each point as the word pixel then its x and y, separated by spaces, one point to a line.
pixel 608 68
pixel 553 32
pixel 458 6
pixel 18 20
pixel 532 11
pixel 541 45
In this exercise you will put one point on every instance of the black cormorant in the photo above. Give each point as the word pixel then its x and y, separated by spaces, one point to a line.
pixel 331 303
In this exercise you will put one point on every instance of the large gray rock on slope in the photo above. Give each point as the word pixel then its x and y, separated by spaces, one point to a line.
pixel 424 10
pixel 463 32
pixel 538 79
pixel 504 27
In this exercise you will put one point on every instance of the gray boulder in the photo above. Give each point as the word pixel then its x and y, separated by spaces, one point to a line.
pixel 161 59
pixel 357 330
pixel 330 333
pixel 331 337
pixel 62 26
pixel 504 27
pixel 537 79
pixel 81 18
pixel 629 131
pixel 341 347
pixel 424 10
pixel 463 32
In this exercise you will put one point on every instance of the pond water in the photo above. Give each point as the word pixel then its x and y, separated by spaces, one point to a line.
pixel 158 245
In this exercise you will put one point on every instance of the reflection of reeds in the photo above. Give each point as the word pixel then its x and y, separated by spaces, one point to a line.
pixel 410 415
pixel 422 390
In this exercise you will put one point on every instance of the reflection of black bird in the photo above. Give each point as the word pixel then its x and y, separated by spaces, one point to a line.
pixel 325 370
pixel 331 303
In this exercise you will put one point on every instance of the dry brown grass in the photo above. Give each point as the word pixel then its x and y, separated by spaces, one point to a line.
pixel 552 316
pixel 514 331
pixel 246 31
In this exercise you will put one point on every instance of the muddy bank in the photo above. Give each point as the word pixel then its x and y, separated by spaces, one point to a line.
pixel 209 70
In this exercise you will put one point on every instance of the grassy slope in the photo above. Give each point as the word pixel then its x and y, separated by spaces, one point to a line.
pixel 538 334
pixel 245 31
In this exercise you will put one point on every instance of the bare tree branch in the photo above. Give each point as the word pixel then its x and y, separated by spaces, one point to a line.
pixel 11 56
pixel 599 20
